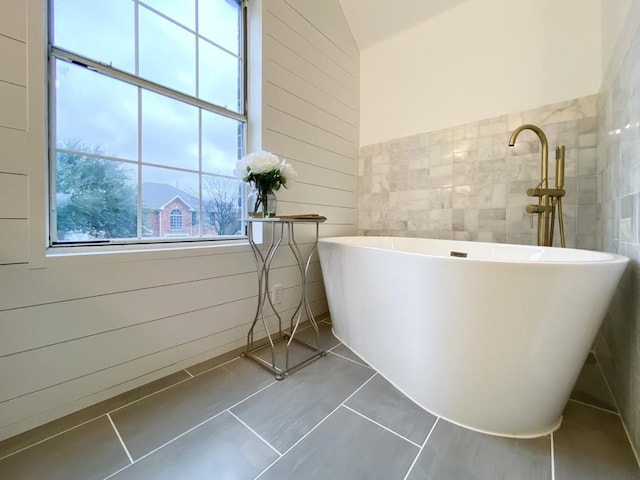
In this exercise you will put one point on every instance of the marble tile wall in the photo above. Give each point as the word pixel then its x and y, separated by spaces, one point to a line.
pixel 465 183
pixel 618 346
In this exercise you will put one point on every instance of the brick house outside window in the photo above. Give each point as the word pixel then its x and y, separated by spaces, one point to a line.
pixel 171 212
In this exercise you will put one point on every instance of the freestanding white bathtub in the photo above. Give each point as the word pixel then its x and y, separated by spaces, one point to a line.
pixel 493 342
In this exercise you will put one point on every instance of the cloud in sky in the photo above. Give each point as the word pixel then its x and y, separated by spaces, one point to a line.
pixel 100 110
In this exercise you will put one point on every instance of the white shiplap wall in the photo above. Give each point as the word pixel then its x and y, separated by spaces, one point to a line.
pixel 13 136
pixel 311 107
pixel 76 330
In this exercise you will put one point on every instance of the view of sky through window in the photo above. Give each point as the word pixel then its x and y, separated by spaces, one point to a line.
pixel 172 147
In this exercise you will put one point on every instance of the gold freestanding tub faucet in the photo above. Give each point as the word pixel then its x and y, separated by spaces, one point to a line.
pixel 548 199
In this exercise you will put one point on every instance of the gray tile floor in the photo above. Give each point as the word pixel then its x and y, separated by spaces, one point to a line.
pixel 334 419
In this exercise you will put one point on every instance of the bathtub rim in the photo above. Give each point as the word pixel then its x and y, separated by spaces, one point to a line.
pixel 600 257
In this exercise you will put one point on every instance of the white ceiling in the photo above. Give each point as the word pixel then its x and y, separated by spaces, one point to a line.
pixel 374 20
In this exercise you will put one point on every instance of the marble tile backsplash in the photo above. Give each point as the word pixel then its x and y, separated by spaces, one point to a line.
pixel 618 346
pixel 465 183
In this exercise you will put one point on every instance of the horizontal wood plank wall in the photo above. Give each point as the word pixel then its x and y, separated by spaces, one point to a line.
pixel 13 126
pixel 310 107
pixel 83 329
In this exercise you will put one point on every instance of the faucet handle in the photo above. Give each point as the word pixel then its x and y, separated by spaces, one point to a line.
pixel 539 192
pixel 538 208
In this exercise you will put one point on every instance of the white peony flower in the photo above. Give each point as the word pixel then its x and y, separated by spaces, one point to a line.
pixel 241 168
pixel 265 171
pixel 262 162
pixel 288 173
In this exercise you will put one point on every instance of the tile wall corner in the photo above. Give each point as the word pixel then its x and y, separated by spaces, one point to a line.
pixel 618 166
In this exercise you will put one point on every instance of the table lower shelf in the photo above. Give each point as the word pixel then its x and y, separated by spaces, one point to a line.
pixel 276 363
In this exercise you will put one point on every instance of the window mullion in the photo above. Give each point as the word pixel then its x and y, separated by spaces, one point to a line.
pixel 200 203
pixel 53 228
pixel 140 213
pixel 110 71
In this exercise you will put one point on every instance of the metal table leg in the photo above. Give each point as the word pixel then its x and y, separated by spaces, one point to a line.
pixel 263 263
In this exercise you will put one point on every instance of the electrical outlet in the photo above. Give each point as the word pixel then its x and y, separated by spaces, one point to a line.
pixel 276 294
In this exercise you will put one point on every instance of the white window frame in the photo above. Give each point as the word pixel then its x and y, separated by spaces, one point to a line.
pixel 55 52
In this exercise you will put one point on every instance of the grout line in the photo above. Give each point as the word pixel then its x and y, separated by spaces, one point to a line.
pixel 359 388
pixel 316 426
pixel 168 442
pixel 172 385
pixel 50 437
pixel 147 396
pixel 254 432
pixel 421 448
pixel 188 431
pixel 108 413
pixel 347 358
pixel 602 409
pixel 553 459
pixel 126 450
pixel 606 382
pixel 252 395
pixel 624 426
pixel 380 425
pixel 114 410
pixel 119 470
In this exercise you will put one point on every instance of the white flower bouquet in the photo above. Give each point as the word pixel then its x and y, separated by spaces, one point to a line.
pixel 267 173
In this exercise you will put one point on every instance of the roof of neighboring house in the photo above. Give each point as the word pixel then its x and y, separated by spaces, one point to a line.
pixel 157 195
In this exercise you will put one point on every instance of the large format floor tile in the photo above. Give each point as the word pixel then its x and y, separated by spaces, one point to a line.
pixel 382 402
pixel 150 422
pixel 284 412
pixel 346 446
pixel 221 448
pixel 591 445
pixel 90 451
pixel 94 411
pixel 334 418
pixel 327 340
pixel 453 452
pixel 297 353
pixel 347 353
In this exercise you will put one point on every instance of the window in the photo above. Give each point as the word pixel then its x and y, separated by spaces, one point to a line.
pixel 147 108
pixel 175 220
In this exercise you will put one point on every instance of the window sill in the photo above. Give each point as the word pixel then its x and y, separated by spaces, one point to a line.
pixel 142 252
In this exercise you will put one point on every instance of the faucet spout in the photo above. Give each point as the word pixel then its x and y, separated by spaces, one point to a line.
pixel 543 203
pixel 538 131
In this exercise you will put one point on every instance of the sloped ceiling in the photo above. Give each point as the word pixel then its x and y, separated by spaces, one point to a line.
pixel 374 20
